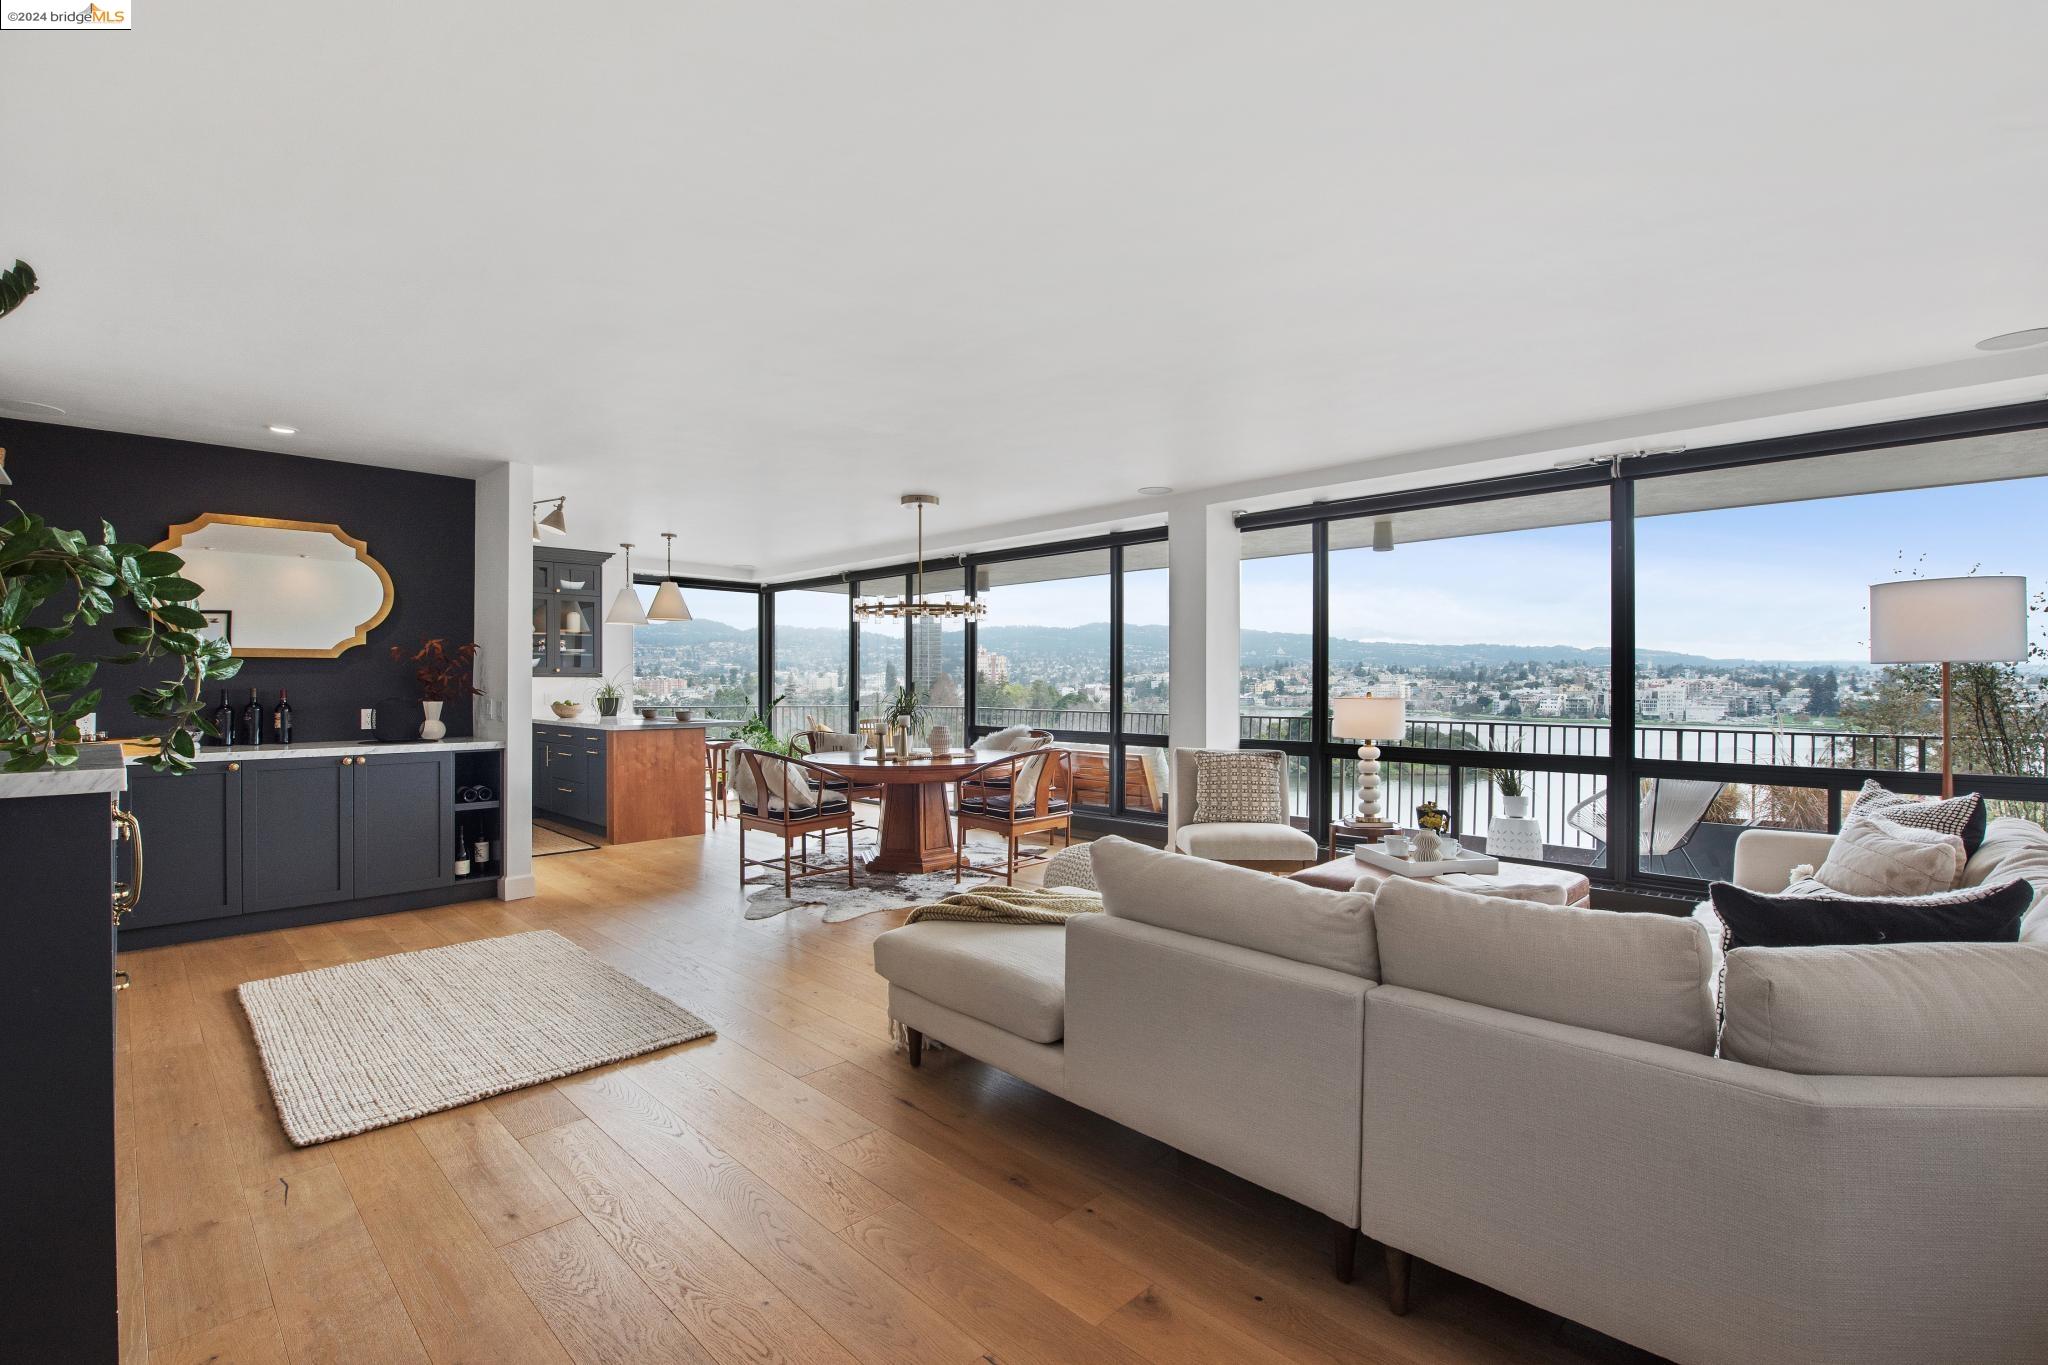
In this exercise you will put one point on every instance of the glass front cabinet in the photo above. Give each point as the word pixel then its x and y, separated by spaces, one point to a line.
pixel 568 613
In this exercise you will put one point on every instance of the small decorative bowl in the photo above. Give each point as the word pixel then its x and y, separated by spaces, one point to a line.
pixel 567 710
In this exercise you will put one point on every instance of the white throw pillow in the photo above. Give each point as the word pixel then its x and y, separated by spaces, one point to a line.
pixel 1877 857
pixel 1005 739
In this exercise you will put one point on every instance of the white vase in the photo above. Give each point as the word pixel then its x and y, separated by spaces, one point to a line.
pixel 940 738
pixel 1515 807
pixel 433 727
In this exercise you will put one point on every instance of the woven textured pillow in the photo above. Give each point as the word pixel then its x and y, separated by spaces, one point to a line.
pixel 1962 816
pixel 1236 786
pixel 1873 856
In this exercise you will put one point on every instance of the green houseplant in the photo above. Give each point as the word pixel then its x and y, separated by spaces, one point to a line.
pixel 608 697
pixel 53 581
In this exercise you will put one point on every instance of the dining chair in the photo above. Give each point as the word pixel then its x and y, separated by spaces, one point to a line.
pixel 1014 797
pixel 787 797
pixel 1016 739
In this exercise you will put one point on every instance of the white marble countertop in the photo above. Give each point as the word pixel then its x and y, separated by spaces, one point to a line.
pixel 340 748
pixel 99 769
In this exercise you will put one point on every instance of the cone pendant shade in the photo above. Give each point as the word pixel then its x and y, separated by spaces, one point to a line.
pixel 626 609
pixel 668 604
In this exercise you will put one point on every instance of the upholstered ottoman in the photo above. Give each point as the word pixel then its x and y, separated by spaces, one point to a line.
pixel 998 992
pixel 1551 885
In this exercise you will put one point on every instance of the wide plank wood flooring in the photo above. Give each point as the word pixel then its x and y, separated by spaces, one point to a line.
pixel 789 1191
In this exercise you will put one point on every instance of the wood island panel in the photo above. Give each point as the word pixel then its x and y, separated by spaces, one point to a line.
pixel 654 784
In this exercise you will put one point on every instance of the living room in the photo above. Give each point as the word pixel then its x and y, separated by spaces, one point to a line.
pixel 931 684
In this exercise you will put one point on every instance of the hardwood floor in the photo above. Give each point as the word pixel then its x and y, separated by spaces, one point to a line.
pixel 789 1191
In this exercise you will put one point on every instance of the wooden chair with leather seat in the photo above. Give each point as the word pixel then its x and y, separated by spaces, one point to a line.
pixel 787 797
pixel 1014 797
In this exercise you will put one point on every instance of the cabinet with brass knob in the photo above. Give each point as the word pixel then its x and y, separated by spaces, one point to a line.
pixel 285 832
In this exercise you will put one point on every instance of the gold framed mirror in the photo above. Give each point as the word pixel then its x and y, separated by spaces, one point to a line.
pixel 281 589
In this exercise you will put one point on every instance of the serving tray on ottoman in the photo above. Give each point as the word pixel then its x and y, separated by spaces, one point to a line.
pixel 1376 855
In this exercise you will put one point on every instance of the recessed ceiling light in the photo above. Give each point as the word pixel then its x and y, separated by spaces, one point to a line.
pixel 2013 341
pixel 1154 490
pixel 277 430
pixel 28 409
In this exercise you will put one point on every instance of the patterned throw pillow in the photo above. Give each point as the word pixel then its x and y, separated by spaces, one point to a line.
pixel 1236 786
pixel 1962 816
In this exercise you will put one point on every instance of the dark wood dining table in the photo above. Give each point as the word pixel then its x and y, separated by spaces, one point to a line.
pixel 917 827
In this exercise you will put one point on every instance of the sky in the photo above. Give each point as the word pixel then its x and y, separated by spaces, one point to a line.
pixel 1784 581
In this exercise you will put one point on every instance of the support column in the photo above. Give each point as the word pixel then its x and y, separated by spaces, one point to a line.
pixel 504 609
pixel 1202 550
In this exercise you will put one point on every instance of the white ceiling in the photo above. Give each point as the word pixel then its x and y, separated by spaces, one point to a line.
pixel 746 271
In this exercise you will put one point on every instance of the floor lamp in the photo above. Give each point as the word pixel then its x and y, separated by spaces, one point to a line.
pixel 1369 718
pixel 1946 621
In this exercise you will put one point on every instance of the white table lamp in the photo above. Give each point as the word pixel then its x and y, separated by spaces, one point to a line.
pixel 1975 620
pixel 1368 718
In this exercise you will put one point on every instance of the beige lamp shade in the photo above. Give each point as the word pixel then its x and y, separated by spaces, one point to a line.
pixel 1370 717
pixel 668 604
pixel 1975 620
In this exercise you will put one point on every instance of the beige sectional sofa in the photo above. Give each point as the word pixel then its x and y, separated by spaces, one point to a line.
pixel 1530 1095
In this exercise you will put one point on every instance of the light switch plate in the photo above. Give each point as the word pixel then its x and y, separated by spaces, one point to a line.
pixel 367 718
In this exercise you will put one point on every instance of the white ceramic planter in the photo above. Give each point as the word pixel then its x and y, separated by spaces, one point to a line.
pixel 1515 807
pixel 1509 836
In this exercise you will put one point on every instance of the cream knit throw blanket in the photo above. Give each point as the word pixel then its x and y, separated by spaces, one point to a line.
pixel 1001 905
pixel 1010 905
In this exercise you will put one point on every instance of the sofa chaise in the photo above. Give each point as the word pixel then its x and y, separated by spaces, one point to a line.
pixel 1531 1095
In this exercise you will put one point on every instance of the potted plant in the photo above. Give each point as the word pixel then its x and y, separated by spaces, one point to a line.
pixel 1514 793
pixel 608 697
pixel 902 712
pixel 754 732
pixel 51 582
pixel 442 674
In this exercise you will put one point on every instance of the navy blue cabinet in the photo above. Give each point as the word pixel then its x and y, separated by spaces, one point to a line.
pixel 193 824
pixel 250 837
pixel 298 832
pixel 404 822
pixel 569 771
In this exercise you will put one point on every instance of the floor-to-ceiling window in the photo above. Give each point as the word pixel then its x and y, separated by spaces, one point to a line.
pixel 1753 643
pixel 938 656
pixel 1146 683
pixel 1659 652
pixel 881 639
pixel 710 664
pixel 812 671
pixel 1074 641
pixel 1491 619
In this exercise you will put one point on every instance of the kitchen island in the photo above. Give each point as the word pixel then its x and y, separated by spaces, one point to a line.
pixel 628 779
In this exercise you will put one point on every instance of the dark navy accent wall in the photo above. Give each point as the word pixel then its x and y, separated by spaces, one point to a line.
pixel 421 527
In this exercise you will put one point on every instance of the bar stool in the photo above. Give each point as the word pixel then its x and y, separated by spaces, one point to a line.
pixel 715 751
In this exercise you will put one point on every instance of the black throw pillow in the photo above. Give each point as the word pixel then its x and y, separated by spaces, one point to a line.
pixel 1974 914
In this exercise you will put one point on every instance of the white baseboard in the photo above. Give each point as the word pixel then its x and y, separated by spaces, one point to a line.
pixel 517 888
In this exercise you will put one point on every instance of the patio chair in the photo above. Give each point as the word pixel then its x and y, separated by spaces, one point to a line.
pixel 1671 812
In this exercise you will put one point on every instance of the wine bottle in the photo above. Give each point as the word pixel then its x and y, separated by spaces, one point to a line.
pixel 224 720
pixel 281 718
pixel 461 856
pixel 252 721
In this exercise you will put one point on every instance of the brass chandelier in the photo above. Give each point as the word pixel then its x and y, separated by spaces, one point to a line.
pixel 915 607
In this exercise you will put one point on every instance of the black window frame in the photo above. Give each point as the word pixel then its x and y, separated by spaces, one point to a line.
pixel 1622 768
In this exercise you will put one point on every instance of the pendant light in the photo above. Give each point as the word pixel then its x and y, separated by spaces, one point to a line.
pixel 668 604
pixel 626 609
pixel 917 607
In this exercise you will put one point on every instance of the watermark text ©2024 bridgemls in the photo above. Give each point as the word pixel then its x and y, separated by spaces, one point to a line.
pixel 67 17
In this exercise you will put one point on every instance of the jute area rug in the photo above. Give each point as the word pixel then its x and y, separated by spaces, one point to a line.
pixel 373 1043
